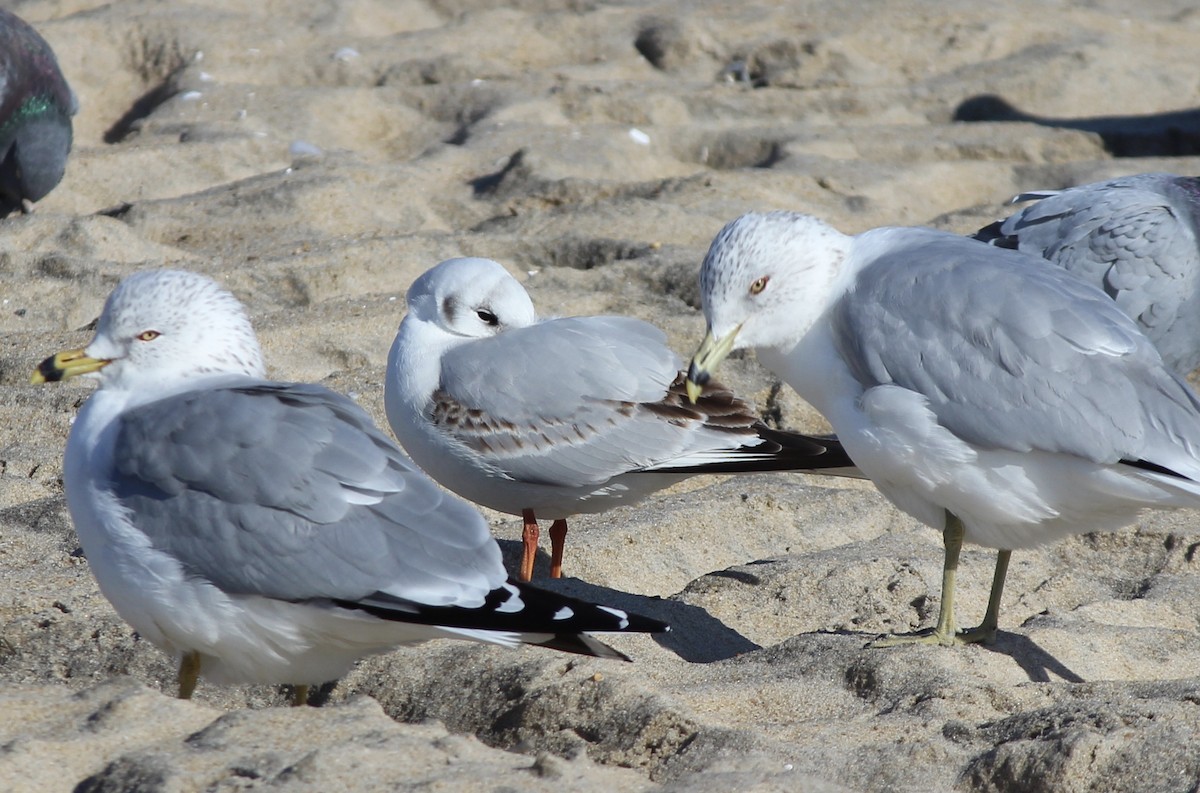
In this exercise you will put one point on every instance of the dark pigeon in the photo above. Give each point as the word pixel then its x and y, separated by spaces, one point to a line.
pixel 36 106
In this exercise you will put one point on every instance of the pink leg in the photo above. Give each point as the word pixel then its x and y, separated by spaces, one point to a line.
pixel 558 541
pixel 529 544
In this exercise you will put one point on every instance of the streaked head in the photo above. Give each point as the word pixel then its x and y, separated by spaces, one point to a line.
pixel 161 327
pixel 764 282
pixel 470 297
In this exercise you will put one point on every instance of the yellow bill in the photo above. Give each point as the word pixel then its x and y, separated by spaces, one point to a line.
pixel 65 365
pixel 712 351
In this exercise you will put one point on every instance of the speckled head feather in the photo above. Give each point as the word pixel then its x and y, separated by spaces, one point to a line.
pixel 763 263
pixel 173 325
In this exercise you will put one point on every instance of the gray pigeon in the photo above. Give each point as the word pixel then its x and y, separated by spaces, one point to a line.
pixel 36 106
pixel 1135 237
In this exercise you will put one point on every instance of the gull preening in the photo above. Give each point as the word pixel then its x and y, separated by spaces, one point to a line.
pixel 990 396
pixel 268 532
pixel 1135 237
pixel 560 417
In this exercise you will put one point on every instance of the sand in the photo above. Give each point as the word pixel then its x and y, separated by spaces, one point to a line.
pixel 317 156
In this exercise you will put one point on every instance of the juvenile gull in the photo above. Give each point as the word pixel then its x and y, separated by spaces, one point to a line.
pixel 985 394
pixel 268 532
pixel 1135 237
pixel 560 417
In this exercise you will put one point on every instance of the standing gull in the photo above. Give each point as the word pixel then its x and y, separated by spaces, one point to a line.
pixel 36 106
pixel 560 417
pixel 1135 237
pixel 268 532
pixel 1000 400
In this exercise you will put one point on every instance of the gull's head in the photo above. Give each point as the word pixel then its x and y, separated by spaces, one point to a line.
pixel 470 298
pixel 159 328
pixel 764 282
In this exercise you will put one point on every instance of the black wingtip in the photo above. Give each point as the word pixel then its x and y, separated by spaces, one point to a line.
pixel 583 644
pixel 788 451
pixel 586 644
pixel 1146 465
pixel 577 619
pixel 994 235
pixel 537 616
pixel 543 607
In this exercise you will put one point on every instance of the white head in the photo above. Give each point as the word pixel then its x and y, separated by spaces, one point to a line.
pixel 764 282
pixel 162 327
pixel 471 298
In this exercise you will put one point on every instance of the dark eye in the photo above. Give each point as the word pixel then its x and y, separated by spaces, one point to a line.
pixel 148 335
pixel 487 317
pixel 759 284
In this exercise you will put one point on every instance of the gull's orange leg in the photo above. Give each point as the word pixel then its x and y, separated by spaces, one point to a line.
pixel 558 541
pixel 529 544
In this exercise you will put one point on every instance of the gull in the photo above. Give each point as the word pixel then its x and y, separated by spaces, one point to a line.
pixel 560 417
pixel 268 532
pixel 1002 401
pixel 1135 237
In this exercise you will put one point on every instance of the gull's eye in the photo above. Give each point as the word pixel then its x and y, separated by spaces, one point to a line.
pixel 148 335
pixel 759 284
pixel 487 317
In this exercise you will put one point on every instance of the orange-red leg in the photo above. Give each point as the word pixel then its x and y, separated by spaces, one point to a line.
pixel 558 541
pixel 529 544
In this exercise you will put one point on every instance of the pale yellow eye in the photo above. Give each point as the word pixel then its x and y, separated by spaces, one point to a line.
pixel 149 335
pixel 759 284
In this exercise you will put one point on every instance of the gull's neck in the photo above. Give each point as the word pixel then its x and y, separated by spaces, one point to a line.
pixel 415 367
pixel 810 362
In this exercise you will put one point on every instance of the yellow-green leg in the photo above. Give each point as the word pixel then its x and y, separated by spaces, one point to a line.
pixel 189 673
pixel 986 631
pixel 299 696
pixel 946 632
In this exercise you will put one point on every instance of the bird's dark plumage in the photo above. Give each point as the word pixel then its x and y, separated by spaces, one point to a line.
pixel 36 106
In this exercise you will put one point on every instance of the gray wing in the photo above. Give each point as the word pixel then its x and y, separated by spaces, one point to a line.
pixel 1012 354
pixel 570 402
pixel 289 491
pixel 1136 239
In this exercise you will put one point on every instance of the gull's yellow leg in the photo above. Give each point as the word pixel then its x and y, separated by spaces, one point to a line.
pixel 946 631
pixel 299 696
pixel 986 631
pixel 189 673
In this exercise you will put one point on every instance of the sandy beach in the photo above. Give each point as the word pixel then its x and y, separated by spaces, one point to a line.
pixel 316 156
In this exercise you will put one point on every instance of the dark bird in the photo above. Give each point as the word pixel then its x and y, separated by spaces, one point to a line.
pixel 36 106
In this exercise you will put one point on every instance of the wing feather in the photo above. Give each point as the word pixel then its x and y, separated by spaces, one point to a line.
pixel 1135 238
pixel 1013 355
pixel 575 402
pixel 290 491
